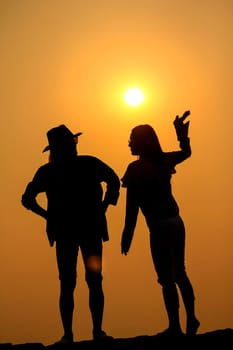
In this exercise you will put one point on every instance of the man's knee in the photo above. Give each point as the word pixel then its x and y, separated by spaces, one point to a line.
pixel 93 279
pixel 68 284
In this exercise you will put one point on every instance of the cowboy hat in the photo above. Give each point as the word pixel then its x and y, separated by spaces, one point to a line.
pixel 60 135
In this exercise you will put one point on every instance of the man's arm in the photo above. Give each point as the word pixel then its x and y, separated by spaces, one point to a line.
pixel 112 187
pixel 33 188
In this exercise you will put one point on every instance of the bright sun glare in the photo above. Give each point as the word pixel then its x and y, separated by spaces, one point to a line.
pixel 134 97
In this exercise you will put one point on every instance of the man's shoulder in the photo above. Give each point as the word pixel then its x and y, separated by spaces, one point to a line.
pixel 44 167
pixel 42 172
pixel 86 158
pixel 90 159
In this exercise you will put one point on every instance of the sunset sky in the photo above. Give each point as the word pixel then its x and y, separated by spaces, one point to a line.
pixel 71 61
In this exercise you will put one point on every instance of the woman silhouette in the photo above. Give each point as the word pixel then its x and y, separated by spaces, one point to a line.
pixel 148 183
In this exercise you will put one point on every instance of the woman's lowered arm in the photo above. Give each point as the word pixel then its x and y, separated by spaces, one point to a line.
pixel 132 209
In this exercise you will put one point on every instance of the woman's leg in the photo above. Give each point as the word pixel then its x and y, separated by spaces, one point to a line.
pixel 183 280
pixel 161 251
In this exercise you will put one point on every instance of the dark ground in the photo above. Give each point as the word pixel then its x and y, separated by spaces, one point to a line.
pixel 222 338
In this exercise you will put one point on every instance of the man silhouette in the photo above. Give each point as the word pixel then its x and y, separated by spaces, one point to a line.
pixel 75 219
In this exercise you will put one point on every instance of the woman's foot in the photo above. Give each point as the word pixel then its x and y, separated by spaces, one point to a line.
pixel 192 327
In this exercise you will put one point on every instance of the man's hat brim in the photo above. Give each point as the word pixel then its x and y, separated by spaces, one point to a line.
pixel 47 148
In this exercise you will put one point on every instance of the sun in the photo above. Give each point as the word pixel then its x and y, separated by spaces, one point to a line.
pixel 134 96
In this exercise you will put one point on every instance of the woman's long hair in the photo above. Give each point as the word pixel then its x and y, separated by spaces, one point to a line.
pixel 146 141
pixel 147 144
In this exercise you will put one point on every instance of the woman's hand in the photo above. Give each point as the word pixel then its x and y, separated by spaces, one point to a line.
pixel 181 127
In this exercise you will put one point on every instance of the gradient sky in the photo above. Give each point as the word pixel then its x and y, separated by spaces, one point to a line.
pixel 70 61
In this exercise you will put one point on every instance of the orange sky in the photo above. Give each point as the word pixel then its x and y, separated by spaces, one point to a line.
pixel 70 61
